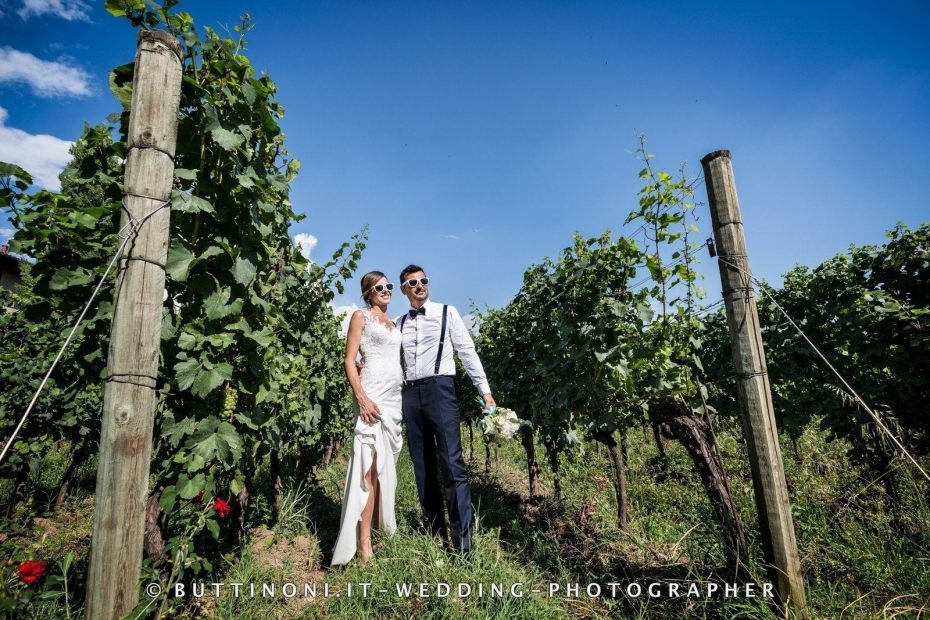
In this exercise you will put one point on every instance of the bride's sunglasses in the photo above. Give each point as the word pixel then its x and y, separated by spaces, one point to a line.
pixel 412 283
pixel 380 288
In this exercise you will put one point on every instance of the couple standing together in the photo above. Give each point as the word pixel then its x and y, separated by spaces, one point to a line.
pixel 407 372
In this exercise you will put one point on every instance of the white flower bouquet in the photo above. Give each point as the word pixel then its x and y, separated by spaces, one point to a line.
pixel 499 424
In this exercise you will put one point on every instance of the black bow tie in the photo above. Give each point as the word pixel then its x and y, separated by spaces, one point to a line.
pixel 413 313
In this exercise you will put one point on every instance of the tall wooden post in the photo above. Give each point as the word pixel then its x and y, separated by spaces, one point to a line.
pixel 132 362
pixel 754 393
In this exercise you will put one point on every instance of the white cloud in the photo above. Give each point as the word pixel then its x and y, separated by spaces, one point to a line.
pixel 451 236
pixel 346 312
pixel 6 234
pixel 306 242
pixel 65 9
pixel 472 324
pixel 46 78
pixel 42 156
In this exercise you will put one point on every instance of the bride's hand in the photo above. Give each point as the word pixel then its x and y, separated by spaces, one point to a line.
pixel 368 410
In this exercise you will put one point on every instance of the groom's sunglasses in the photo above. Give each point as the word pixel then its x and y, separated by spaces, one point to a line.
pixel 412 283
pixel 380 288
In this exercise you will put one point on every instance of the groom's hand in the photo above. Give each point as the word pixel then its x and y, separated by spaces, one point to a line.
pixel 489 401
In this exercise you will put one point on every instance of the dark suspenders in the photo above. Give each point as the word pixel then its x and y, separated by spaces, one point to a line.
pixel 442 338
pixel 403 362
pixel 442 341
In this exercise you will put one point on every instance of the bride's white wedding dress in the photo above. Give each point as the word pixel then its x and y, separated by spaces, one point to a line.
pixel 381 379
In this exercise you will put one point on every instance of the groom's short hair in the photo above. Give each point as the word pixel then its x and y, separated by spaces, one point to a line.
pixel 409 269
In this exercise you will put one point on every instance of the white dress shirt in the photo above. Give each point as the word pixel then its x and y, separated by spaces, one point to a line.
pixel 420 341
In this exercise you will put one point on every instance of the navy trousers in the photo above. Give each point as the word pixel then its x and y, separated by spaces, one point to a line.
pixel 431 414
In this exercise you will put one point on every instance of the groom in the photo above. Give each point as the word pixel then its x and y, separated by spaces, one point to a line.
pixel 430 333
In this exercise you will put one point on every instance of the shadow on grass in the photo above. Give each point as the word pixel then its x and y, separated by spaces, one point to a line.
pixel 562 541
pixel 325 514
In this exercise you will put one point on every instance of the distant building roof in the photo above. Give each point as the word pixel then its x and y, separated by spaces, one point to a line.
pixel 9 267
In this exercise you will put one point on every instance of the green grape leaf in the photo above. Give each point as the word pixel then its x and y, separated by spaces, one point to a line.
pixel 229 140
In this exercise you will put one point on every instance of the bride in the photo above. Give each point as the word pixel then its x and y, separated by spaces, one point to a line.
pixel 371 479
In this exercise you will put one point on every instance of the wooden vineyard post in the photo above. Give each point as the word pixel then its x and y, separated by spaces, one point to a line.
pixel 132 361
pixel 754 393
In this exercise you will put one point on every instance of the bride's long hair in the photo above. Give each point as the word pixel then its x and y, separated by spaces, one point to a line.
pixel 369 280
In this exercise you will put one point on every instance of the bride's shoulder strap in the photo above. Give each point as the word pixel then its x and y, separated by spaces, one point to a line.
pixel 362 312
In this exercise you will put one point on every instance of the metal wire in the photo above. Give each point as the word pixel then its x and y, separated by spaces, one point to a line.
pixel 862 403
pixel 133 225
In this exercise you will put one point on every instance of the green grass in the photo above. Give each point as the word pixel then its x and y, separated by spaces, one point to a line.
pixel 861 557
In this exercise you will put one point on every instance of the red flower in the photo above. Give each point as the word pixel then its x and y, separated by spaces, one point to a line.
pixel 29 572
pixel 198 498
pixel 221 506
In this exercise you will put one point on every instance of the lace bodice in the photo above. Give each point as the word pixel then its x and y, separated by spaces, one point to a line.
pixel 380 349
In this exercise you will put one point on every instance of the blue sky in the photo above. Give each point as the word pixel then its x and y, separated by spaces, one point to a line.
pixel 475 138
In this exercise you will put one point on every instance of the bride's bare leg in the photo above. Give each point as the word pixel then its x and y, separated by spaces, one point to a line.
pixel 364 528
pixel 376 514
